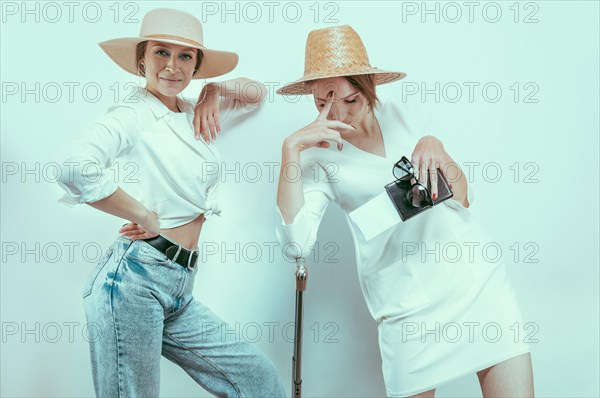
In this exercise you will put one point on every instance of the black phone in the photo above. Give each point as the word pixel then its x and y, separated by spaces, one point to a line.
pixel 398 190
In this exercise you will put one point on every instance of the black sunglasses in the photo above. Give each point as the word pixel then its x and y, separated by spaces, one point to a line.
pixel 417 195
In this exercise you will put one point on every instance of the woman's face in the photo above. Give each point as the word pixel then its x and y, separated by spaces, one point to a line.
pixel 169 67
pixel 349 106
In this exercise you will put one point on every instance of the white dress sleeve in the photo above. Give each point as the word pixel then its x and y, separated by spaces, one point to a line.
pixel 85 160
pixel 298 237
pixel 420 123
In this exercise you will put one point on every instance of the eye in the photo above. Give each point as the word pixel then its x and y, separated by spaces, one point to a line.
pixel 351 101
pixel 162 52
pixel 186 56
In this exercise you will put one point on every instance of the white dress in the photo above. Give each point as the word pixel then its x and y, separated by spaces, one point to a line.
pixel 444 307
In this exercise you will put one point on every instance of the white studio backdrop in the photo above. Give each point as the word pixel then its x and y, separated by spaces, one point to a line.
pixel 511 89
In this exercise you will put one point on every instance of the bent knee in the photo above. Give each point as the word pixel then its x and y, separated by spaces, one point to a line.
pixel 263 378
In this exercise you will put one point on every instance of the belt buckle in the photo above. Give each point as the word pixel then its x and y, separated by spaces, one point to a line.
pixel 192 252
pixel 189 266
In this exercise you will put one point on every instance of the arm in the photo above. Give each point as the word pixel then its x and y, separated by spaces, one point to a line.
pixel 301 202
pixel 218 102
pixel 429 153
pixel 316 134
pixel 111 137
pixel 290 193
pixel 122 205
pixel 243 89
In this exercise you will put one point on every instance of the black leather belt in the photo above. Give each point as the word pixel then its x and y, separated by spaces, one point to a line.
pixel 174 251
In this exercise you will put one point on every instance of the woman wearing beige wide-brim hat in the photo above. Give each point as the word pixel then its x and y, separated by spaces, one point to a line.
pixel 138 298
pixel 437 312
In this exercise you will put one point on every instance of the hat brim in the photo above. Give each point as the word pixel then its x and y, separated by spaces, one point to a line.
pixel 302 85
pixel 214 62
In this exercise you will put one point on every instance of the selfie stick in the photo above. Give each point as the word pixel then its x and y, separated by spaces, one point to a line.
pixel 301 275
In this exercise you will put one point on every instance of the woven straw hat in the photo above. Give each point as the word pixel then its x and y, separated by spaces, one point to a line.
pixel 170 26
pixel 332 52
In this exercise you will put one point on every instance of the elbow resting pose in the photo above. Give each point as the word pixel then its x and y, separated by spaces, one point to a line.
pixel 139 296
pixel 409 293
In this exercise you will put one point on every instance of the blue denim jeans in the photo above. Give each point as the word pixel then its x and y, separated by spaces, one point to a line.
pixel 139 306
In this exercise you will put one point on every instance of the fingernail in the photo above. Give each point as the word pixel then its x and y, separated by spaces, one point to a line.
pixel 434 196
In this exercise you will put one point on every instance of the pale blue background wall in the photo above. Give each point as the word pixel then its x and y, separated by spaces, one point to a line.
pixel 548 133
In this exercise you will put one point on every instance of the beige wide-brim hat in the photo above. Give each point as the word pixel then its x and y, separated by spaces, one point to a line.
pixel 170 26
pixel 333 52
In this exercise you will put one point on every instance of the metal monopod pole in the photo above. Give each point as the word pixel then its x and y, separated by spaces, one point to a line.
pixel 301 277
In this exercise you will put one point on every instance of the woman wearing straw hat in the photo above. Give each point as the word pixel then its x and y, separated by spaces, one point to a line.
pixel 435 313
pixel 138 299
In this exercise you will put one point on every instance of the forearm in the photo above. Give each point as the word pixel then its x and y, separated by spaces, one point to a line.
pixel 459 184
pixel 290 194
pixel 243 89
pixel 122 205
pixel 430 151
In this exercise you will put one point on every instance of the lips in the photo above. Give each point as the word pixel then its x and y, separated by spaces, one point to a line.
pixel 171 80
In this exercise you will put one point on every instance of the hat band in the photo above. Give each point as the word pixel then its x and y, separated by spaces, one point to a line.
pixel 179 38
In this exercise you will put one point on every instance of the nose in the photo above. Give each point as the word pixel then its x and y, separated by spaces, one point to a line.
pixel 337 112
pixel 172 63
